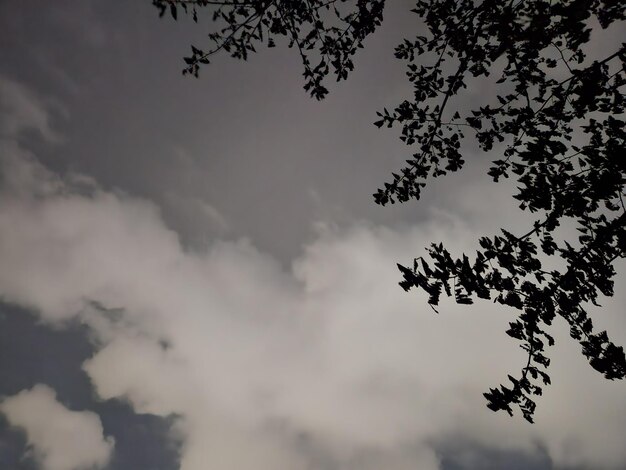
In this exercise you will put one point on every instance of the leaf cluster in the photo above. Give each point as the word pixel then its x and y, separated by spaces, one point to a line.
pixel 325 33
pixel 547 94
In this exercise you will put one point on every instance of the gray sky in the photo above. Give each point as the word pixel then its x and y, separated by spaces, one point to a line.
pixel 195 274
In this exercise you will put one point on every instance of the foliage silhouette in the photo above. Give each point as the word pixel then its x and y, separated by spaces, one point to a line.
pixel 557 123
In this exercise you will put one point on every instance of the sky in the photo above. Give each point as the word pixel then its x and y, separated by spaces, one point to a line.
pixel 195 276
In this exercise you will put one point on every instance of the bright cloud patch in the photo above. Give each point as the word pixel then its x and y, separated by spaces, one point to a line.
pixel 60 439
pixel 325 365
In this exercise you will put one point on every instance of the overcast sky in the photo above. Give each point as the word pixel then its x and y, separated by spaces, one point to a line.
pixel 195 276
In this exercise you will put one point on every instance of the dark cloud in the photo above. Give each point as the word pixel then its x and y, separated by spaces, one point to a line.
pixel 245 137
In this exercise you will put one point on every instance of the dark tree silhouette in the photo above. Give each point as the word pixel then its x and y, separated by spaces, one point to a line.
pixel 556 124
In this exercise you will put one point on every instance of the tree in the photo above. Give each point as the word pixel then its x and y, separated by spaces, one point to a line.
pixel 556 124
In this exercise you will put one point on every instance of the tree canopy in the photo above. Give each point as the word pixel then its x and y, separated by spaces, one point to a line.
pixel 555 124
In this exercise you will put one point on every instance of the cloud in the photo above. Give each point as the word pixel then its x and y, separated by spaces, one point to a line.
pixel 327 364
pixel 61 439
pixel 21 110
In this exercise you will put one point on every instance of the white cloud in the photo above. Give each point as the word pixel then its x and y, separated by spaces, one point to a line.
pixel 61 439
pixel 271 368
